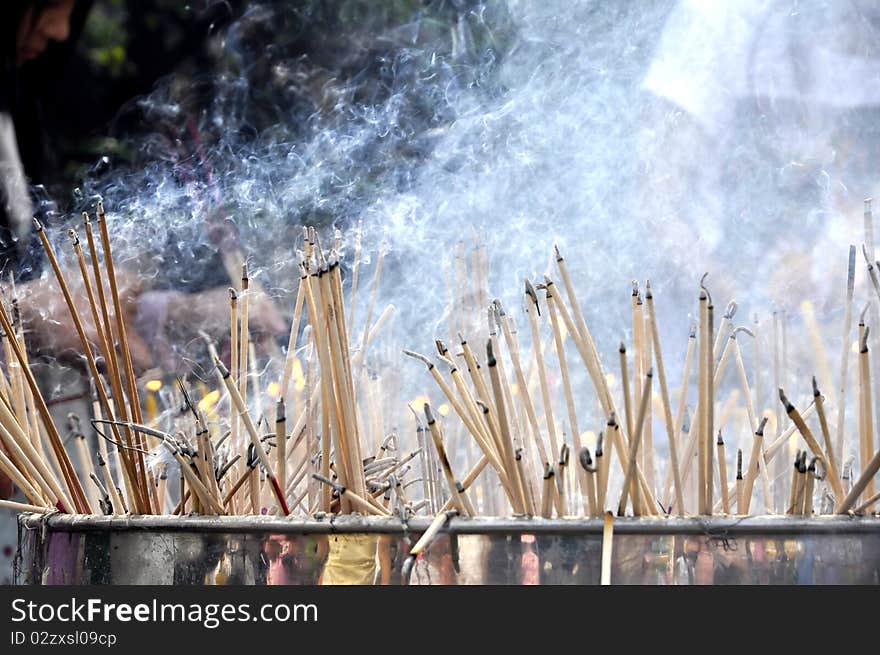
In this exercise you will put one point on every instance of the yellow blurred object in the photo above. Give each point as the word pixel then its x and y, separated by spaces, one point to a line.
pixel 209 400
pixel 152 407
pixel 299 379
pixel 351 560
pixel 153 385
pixel 273 389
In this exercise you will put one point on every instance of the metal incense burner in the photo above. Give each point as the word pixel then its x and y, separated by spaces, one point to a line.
pixel 157 550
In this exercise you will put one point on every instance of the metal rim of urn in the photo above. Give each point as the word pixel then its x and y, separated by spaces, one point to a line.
pixel 356 524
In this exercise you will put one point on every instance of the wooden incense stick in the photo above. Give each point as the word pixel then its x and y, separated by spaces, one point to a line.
pixel 634 449
pixel 664 396
pixel 844 354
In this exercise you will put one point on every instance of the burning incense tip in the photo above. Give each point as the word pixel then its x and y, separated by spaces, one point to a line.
pixel 720 441
pixel 635 288
pixel 73 236
pixel 279 411
pixel 816 393
pixel 739 464
pixel 863 347
pixel 622 348
pixel 233 294
pixel 37 225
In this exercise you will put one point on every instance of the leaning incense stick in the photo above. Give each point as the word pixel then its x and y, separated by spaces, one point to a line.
pixel 456 490
pixel 531 309
pixel 860 485
pixel 569 396
pixel 867 504
pixel 634 449
pixel 664 397
pixel 831 460
pixel 22 507
pixel 813 445
pixel 252 432
pixel 132 390
pixel 754 463
pixel 866 437
pixel 679 414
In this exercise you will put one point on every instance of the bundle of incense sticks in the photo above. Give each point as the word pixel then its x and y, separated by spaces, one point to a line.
pixel 218 451
pixel 518 405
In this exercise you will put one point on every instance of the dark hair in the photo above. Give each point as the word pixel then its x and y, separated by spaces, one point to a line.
pixel 20 96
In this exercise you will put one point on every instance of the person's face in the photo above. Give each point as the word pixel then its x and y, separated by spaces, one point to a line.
pixel 36 31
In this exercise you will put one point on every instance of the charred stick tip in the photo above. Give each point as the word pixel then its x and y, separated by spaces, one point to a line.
pixel 532 294
pixel 563 455
pixel 224 372
pixel 789 408
pixel 429 415
pixel 761 425
pixel 720 441
pixel 490 354
pixel 585 460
